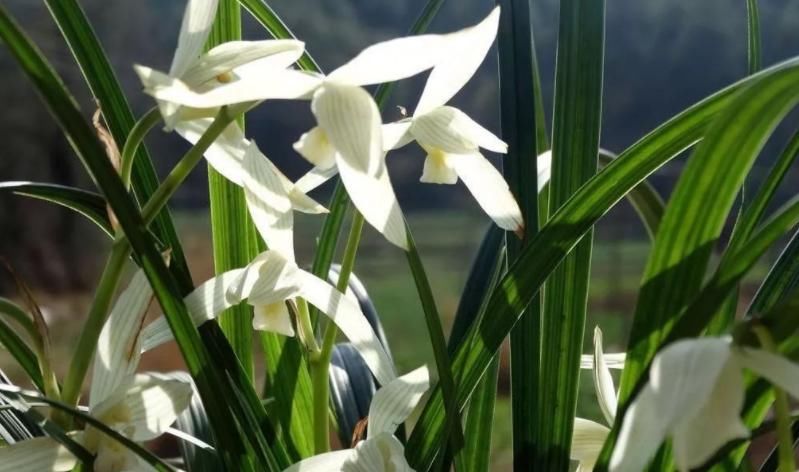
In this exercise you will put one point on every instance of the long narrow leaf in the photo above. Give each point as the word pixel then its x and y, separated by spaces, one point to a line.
pixel 554 241
pixel 105 87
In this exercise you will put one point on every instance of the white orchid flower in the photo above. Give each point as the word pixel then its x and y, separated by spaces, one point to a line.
pixel 694 396
pixel 380 451
pixel 193 72
pixel 268 283
pixel 139 406
pixel 589 436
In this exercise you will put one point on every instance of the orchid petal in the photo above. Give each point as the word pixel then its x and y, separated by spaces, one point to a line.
pixel 228 56
pixel 270 278
pixel 392 60
pixel 681 380
pixel 451 130
pixel 273 317
pixel 696 438
pixel 314 178
pixel 204 303
pixel 489 189
pixel 278 84
pixel 327 462
pixel 194 29
pixel 305 204
pixel 395 401
pixel 268 202
pixel 382 453
pixel 154 402
pixel 40 454
pixel 397 134
pixel 153 80
pixel 603 381
pixel 316 148
pixel 119 344
pixel 347 315
pixel 588 437
pixel 437 169
pixel 226 154
pixel 775 368
pixel 467 51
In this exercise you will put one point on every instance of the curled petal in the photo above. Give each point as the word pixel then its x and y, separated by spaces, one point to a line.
pixel 383 452
pixel 588 438
pixel 314 178
pixel 451 130
pixel 119 344
pixel 347 315
pixel 603 381
pixel 269 278
pixel 197 20
pixel 40 454
pixel 437 170
pixel 397 134
pixel 316 148
pixel 613 360
pixel 489 189
pixel 226 57
pixel 394 402
pixel 467 51
pixel 273 317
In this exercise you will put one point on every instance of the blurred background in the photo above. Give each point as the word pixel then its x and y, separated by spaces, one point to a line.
pixel 662 56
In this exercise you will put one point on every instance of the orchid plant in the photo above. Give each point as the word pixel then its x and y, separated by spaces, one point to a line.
pixel 698 378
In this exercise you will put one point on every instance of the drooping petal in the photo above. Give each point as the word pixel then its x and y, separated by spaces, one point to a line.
pixel 603 381
pixel 397 134
pixel 347 315
pixel 696 438
pixel 383 453
pixel 314 178
pixel 544 165
pixel 154 402
pixel 119 345
pixel 392 60
pixel 197 20
pixel 316 148
pixel 269 278
pixel 327 462
pixel 226 57
pixel 775 368
pixel 588 437
pixel 350 118
pixel 681 380
pixel 153 80
pixel 467 51
pixel 39 454
pixel 274 318
pixel 204 303
pixel 285 84
pixel 305 204
pixel 226 154
pixel 451 130
pixel 437 169
pixel 489 189
pixel 268 202
pixel 393 403
pixel 614 360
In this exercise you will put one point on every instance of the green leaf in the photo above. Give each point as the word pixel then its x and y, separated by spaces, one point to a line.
pixel 89 204
pixel 100 77
pixel 644 198
pixel 575 147
pixel 753 50
pixel 214 385
pixel 23 354
pixel 692 225
pixel 143 453
pixel 543 253
pixel 479 422
pixel 518 103
pixel 194 422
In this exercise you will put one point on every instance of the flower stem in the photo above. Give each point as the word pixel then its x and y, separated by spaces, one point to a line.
pixel 781 409
pixel 320 364
pixel 120 251
pixel 135 138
